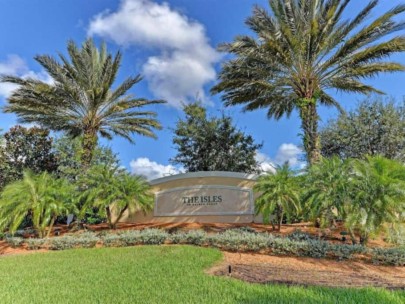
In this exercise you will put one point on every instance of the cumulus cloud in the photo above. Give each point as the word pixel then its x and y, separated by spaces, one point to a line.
pixel 16 66
pixel 185 60
pixel 265 163
pixel 289 153
pixel 286 153
pixel 151 169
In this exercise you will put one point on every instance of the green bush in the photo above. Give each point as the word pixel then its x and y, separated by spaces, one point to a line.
pixel 153 236
pixel 136 237
pixel 130 238
pixel 14 242
pixel 298 235
pixel 193 237
pixel 388 256
pixel 345 252
pixel 35 244
pixel 112 240
pixel 85 240
pixel 237 240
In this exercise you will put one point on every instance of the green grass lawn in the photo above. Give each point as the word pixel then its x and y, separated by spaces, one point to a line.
pixel 151 274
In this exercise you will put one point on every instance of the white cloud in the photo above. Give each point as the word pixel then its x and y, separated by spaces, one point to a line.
pixel 289 153
pixel 151 169
pixel 286 153
pixel 185 60
pixel 16 66
pixel 265 163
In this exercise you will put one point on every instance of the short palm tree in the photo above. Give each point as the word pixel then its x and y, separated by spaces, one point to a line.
pixel 81 101
pixel 378 196
pixel 279 195
pixel 114 191
pixel 42 197
pixel 300 51
pixel 327 190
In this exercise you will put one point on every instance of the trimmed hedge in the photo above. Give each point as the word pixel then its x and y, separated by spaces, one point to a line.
pixel 238 240
pixel 389 256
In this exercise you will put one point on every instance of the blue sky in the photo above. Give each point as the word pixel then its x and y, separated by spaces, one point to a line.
pixel 173 45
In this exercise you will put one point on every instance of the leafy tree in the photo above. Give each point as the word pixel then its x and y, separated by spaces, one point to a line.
pixel 300 51
pixel 373 128
pixel 68 152
pixel 327 189
pixel 279 194
pixel 42 197
pixel 378 196
pixel 81 101
pixel 25 149
pixel 212 144
pixel 115 191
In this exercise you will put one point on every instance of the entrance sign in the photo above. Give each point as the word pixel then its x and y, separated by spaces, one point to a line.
pixel 200 197
pixel 204 200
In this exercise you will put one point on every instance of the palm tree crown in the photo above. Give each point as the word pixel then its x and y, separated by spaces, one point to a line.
pixel 80 101
pixel 302 49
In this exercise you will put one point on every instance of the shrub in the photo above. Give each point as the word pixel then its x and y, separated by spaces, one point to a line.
pixel 35 244
pixel 345 251
pixel 85 240
pixel 298 235
pixel 153 236
pixel 136 237
pixel 236 240
pixel 14 242
pixel 112 240
pixel 389 256
pixel 130 238
pixel 193 237
pixel 245 229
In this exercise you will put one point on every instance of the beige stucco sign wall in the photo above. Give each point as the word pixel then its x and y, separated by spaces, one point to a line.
pixel 204 200
pixel 216 197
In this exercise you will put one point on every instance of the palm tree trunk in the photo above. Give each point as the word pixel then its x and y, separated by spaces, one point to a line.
pixel 89 143
pixel 352 237
pixel 51 226
pixel 114 223
pixel 309 124
pixel 109 219
pixel 364 238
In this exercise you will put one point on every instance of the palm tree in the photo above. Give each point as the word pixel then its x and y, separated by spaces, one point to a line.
pixel 81 101
pixel 114 192
pixel 302 49
pixel 279 194
pixel 327 190
pixel 42 197
pixel 378 196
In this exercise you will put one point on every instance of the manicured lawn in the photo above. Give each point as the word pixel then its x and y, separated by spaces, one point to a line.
pixel 150 274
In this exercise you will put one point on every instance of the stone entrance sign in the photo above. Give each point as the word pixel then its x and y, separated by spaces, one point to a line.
pixel 204 200
pixel 200 197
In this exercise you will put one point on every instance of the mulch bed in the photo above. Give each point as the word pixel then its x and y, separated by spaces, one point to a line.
pixel 263 269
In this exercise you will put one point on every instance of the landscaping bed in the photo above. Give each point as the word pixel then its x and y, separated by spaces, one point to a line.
pixel 264 269
pixel 242 239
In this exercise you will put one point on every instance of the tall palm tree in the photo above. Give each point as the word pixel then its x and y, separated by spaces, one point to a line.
pixel 114 192
pixel 278 195
pixel 42 197
pixel 81 101
pixel 302 49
